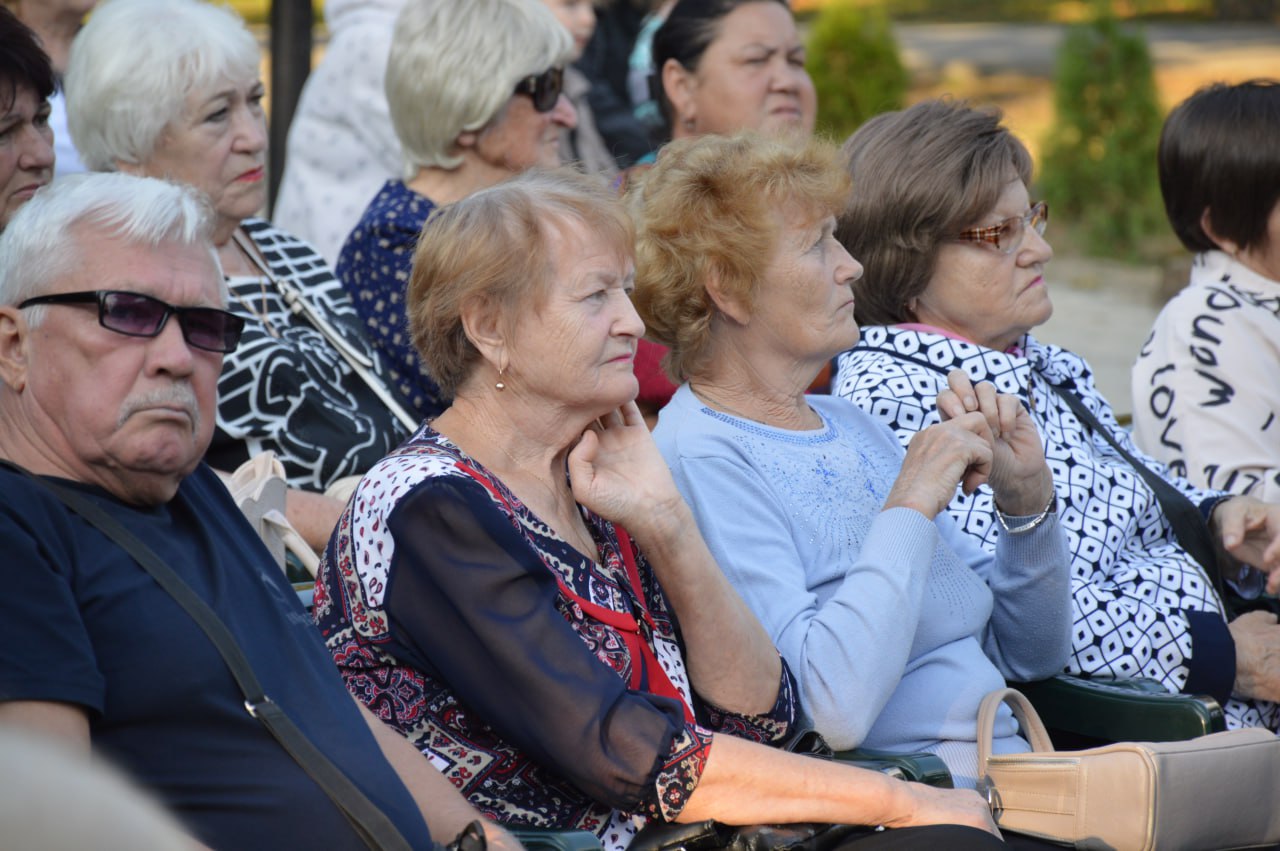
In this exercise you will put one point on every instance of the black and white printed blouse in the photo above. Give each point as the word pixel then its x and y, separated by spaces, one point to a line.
pixel 1205 390
pixel 287 387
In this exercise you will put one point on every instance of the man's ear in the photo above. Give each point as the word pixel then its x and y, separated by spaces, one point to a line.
pixel 679 84
pixel 14 339
pixel 1206 225
pixel 727 303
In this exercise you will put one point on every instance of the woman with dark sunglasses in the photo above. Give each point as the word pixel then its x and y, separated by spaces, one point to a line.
pixel 475 91
pixel 954 254
pixel 305 383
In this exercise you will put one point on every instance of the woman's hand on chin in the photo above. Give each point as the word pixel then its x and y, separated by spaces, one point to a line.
pixel 617 471
pixel 1018 475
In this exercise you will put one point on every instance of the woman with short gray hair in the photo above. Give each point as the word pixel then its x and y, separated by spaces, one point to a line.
pixel 475 90
pixel 184 103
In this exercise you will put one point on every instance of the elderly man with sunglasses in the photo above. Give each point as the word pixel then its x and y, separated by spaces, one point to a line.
pixel 112 334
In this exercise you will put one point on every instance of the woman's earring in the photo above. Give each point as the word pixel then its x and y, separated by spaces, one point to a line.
pixel 498 385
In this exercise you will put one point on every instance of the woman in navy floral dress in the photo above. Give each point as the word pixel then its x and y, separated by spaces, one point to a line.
pixel 503 589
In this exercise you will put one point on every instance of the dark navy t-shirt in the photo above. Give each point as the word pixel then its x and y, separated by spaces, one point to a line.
pixel 82 623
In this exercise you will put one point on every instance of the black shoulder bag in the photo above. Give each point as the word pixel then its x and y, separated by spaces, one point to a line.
pixel 1189 525
pixel 370 823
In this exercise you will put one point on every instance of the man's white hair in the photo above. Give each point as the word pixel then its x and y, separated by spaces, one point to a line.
pixel 39 245
pixel 454 64
pixel 133 66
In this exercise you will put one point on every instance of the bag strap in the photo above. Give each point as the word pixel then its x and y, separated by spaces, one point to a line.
pixel 1028 719
pixel 373 825
pixel 360 363
pixel 1189 526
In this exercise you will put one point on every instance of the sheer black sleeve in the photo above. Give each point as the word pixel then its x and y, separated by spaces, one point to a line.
pixel 469 600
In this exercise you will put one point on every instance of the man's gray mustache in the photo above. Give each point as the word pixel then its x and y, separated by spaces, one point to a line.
pixel 175 395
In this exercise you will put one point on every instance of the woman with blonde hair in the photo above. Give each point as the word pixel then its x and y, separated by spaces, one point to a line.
pixel 476 96
pixel 895 625
pixel 504 589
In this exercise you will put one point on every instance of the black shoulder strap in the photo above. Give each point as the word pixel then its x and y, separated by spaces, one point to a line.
pixel 1189 526
pixel 369 822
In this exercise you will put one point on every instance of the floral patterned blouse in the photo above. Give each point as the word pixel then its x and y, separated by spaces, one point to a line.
pixel 374 268
pixel 547 686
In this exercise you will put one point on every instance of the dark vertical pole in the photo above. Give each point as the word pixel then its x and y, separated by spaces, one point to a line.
pixel 291 22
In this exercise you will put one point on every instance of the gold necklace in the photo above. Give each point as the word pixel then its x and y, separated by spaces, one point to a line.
pixel 263 314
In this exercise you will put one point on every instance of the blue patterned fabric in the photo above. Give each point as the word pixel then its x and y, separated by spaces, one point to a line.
pixel 374 267
pixel 1142 606
pixel 443 601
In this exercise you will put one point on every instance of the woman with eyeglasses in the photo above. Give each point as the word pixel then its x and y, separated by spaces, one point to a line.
pixel 895 624
pixel 184 103
pixel 954 254
pixel 476 95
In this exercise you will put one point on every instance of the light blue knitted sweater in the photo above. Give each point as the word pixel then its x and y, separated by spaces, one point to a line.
pixel 895 625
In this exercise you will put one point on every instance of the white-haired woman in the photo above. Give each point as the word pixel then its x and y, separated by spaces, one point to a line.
pixel 475 91
pixel 184 102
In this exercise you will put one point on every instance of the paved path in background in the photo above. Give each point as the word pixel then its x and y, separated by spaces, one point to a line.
pixel 1102 310
pixel 1031 48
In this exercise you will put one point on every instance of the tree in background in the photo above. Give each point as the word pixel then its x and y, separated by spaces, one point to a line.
pixel 855 65
pixel 1099 162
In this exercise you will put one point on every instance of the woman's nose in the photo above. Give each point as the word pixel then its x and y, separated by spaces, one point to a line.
pixel 564 113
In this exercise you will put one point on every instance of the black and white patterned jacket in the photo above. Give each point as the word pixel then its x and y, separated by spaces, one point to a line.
pixel 286 387
pixel 1142 606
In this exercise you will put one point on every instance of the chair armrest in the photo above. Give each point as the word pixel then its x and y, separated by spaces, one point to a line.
pixel 924 768
pixel 306 592
pixel 546 839
pixel 1122 710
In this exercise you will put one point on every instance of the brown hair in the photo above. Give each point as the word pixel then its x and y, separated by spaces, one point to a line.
pixel 922 174
pixel 492 248
pixel 711 208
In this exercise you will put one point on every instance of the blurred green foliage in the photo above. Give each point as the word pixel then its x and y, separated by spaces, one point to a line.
pixel 1099 161
pixel 856 67
pixel 1065 11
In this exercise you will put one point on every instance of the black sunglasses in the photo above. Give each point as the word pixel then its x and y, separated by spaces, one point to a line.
pixel 138 315
pixel 544 89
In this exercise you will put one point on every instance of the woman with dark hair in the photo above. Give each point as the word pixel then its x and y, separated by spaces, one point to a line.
pixel 723 66
pixel 55 23
pixel 730 65
pixel 955 256
pixel 26 140
pixel 1205 399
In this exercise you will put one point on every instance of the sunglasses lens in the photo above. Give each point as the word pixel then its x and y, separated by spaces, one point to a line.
pixel 133 314
pixel 208 328
pixel 548 90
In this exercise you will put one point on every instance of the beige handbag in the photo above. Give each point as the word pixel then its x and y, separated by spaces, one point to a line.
pixel 1215 792
pixel 258 488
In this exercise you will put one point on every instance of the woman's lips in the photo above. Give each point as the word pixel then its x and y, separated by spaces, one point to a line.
pixel 253 175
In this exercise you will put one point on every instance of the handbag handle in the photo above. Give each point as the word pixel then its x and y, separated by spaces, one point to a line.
pixel 1028 719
